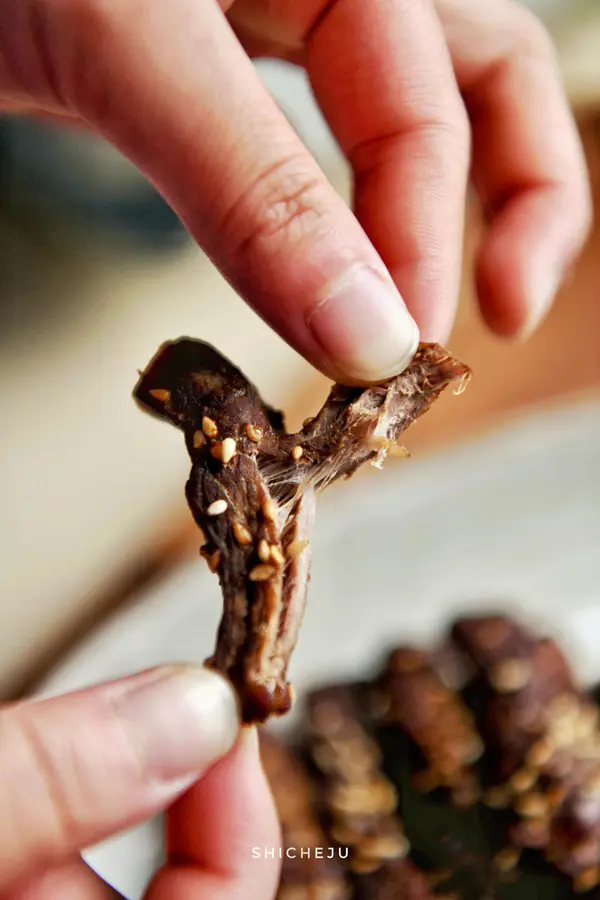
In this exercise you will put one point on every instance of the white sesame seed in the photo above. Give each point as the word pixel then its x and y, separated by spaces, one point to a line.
pixel 228 450
pixel 511 675
pixel 297 452
pixel 216 508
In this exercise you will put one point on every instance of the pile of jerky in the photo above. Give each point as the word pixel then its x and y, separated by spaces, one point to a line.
pixel 469 771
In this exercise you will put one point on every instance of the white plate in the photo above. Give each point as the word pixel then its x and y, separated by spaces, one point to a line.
pixel 514 517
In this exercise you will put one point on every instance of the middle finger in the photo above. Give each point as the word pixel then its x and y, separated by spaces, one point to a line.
pixel 383 76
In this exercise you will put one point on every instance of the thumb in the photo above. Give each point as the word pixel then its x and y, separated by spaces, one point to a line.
pixel 169 84
pixel 75 769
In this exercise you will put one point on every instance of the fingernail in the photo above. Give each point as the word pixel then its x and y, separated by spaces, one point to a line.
pixel 364 326
pixel 545 284
pixel 181 723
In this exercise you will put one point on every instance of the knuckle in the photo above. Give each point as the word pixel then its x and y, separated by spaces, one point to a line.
pixel 445 139
pixel 50 803
pixel 284 201
pixel 531 40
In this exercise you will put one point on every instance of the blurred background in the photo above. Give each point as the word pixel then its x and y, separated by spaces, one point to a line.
pixel 96 272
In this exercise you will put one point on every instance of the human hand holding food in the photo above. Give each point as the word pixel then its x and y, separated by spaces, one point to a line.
pixel 78 768
pixel 406 88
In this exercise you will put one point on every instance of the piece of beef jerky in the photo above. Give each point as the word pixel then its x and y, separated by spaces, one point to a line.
pixel 412 696
pixel 567 792
pixel 252 490
pixel 520 674
pixel 359 802
pixel 311 869
pixel 546 732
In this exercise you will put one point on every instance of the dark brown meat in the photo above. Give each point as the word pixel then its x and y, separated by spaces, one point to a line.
pixel 520 675
pixel 546 734
pixel 311 868
pixel 412 696
pixel 252 490
pixel 359 803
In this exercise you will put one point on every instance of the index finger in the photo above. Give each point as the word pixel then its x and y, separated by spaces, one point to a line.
pixel 384 79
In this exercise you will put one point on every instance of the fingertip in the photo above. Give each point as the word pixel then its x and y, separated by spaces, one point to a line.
pixel 502 306
pixel 527 253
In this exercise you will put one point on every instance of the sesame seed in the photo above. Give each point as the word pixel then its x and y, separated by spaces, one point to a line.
pixel 308 421
pixel 586 880
pixel 269 509
pixel 216 451
pixel 261 573
pixel 295 548
pixel 213 559
pixel 384 846
pixel 277 556
pixel 228 450
pixel 209 427
pixel 523 780
pixel 555 795
pixel 264 551
pixel 369 798
pixel 217 508
pixel 161 395
pixel 532 806
pixel 241 534
pixel 511 675
pixel 297 452
pixel 541 753
pixel 497 798
pixel 254 433
pixel 198 440
pixel 507 859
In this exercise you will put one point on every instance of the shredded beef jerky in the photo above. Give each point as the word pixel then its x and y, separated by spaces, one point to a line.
pixel 413 697
pixel 359 802
pixel 252 490
pixel 520 674
pixel 546 732
pixel 311 869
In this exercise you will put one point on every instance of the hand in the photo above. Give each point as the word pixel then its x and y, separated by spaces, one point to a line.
pixel 76 769
pixel 404 86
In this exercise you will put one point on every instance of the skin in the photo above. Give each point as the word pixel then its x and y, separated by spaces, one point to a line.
pixel 423 97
